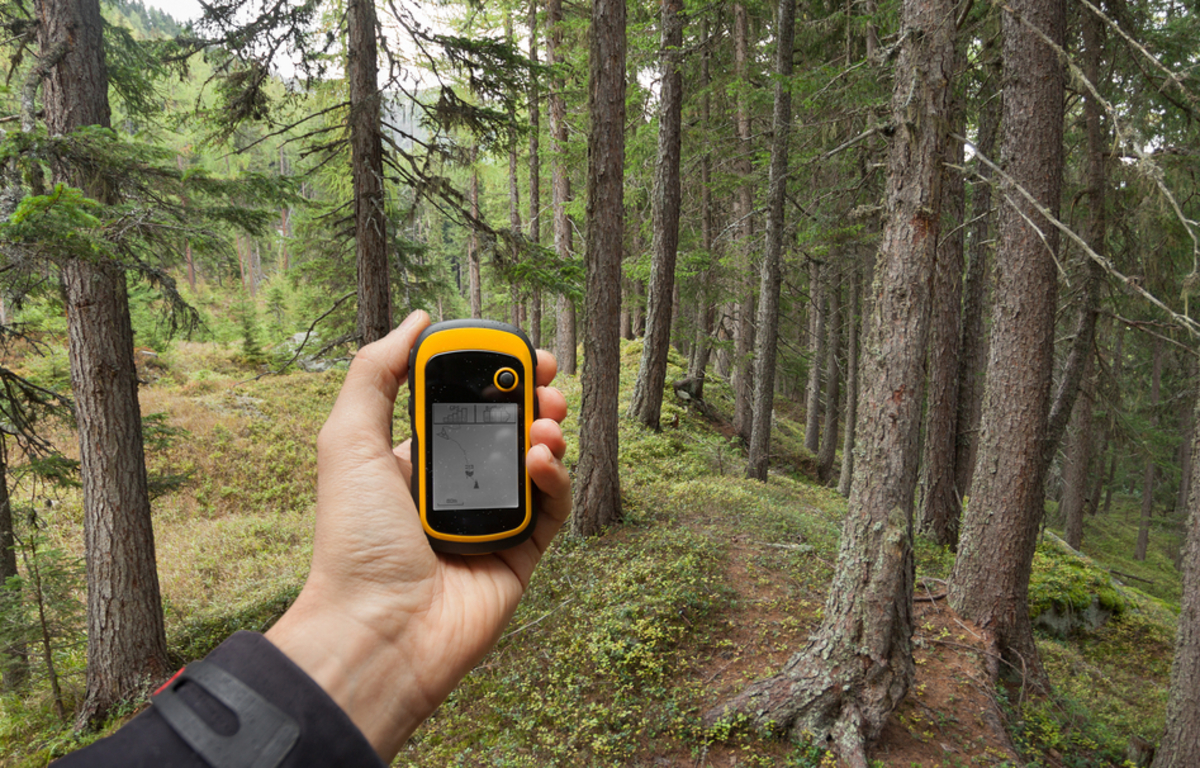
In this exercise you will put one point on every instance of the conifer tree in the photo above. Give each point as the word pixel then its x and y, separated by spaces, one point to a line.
pixel 858 665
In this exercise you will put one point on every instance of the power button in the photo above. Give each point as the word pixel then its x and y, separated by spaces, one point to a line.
pixel 506 379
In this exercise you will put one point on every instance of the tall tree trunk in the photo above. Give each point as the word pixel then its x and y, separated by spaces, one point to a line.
pixel 940 501
pixel 1077 465
pixel 990 581
pixel 766 342
pixel 597 475
pixel 1185 448
pixel 743 333
pixel 646 402
pixel 1148 471
pixel 1078 374
pixel 366 159
pixel 858 665
pixel 848 438
pixel 1089 302
pixel 474 257
pixel 833 382
pixel 16 663
pixel 127 647
pixel 535 175
pixel 1181 739
pixel 560 187
pixel 706 311
pixel 973 348
pixel 1112 439
pixel 516 311
pixel 816 348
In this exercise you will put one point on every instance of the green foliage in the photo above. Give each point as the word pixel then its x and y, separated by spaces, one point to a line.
pixel 41 611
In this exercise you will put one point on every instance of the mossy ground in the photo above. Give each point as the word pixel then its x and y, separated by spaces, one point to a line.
pixel 622 641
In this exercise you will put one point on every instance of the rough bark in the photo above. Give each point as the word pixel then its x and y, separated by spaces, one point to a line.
pixel 1181 738
pixel 858 665
pixel 126 641
pixel 848 437
pixel 940 498
pixel 766 342
pixel 973 348
pixel 366 161
pixel 646 403
pixel 833 383
pixel 1096 226
pixel 706 311
pixel 597 477
pixel 1148 468
pixel 743 333
pixel 1080 362
pixel 1187 418
pixel 816 348
pixel 535 175
pixel 474 257
pixel 560 189
pixel 1077 464
pixel 990 580
pixel 16 665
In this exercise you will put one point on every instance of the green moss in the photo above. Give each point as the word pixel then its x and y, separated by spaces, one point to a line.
pixel 1069 581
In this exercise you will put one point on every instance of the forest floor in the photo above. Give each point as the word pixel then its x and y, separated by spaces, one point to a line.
pixel 622 641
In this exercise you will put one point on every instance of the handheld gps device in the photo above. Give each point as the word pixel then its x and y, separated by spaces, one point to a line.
pixel 472 400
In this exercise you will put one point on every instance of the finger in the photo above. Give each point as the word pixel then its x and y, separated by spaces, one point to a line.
pixel 551 404
pixel 554 493
pixel 553 504
pixel 547 368
pixel 362 414
pixel 547 432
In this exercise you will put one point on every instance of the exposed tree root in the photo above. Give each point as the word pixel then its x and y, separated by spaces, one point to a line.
pixel 840 705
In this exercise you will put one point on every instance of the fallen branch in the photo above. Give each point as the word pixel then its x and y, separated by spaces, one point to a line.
pixel 1115 572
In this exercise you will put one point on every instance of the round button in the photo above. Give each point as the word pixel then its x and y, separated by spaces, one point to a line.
pixel 506 379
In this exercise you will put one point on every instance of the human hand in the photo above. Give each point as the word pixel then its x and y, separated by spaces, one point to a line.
pixel 385 625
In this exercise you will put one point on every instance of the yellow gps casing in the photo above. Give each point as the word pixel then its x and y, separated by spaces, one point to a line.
pixel 472 402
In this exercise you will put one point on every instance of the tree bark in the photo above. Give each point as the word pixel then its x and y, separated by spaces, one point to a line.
pixel 973 348
pixel 1148 468
pixel 560 188
pixel 858 666
pixel 597 475
pixel 990 581
pixel 1078 375
pixel 126 642
pixel 366 158
pixel 474 257
pixel 743 333
pixel 706 310
pixel 848 438
pixel 1089 302
pixel 1077 465
pixel 833 382
pixel 766 343
pixel 940 499
pixel 1181 738
pixel 816 348
pixel 16 665
pixel 535 175
pixel 646 402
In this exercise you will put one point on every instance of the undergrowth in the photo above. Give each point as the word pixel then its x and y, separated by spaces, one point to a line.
pixel 623 641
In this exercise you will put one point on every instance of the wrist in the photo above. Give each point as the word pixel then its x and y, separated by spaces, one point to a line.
pixel 369 676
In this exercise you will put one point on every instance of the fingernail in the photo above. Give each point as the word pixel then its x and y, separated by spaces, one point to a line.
pixel 411 320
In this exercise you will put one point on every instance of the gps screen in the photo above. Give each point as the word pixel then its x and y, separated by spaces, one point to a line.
pixel 474 448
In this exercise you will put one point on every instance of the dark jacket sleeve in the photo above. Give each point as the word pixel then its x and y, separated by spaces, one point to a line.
pixel 327 737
